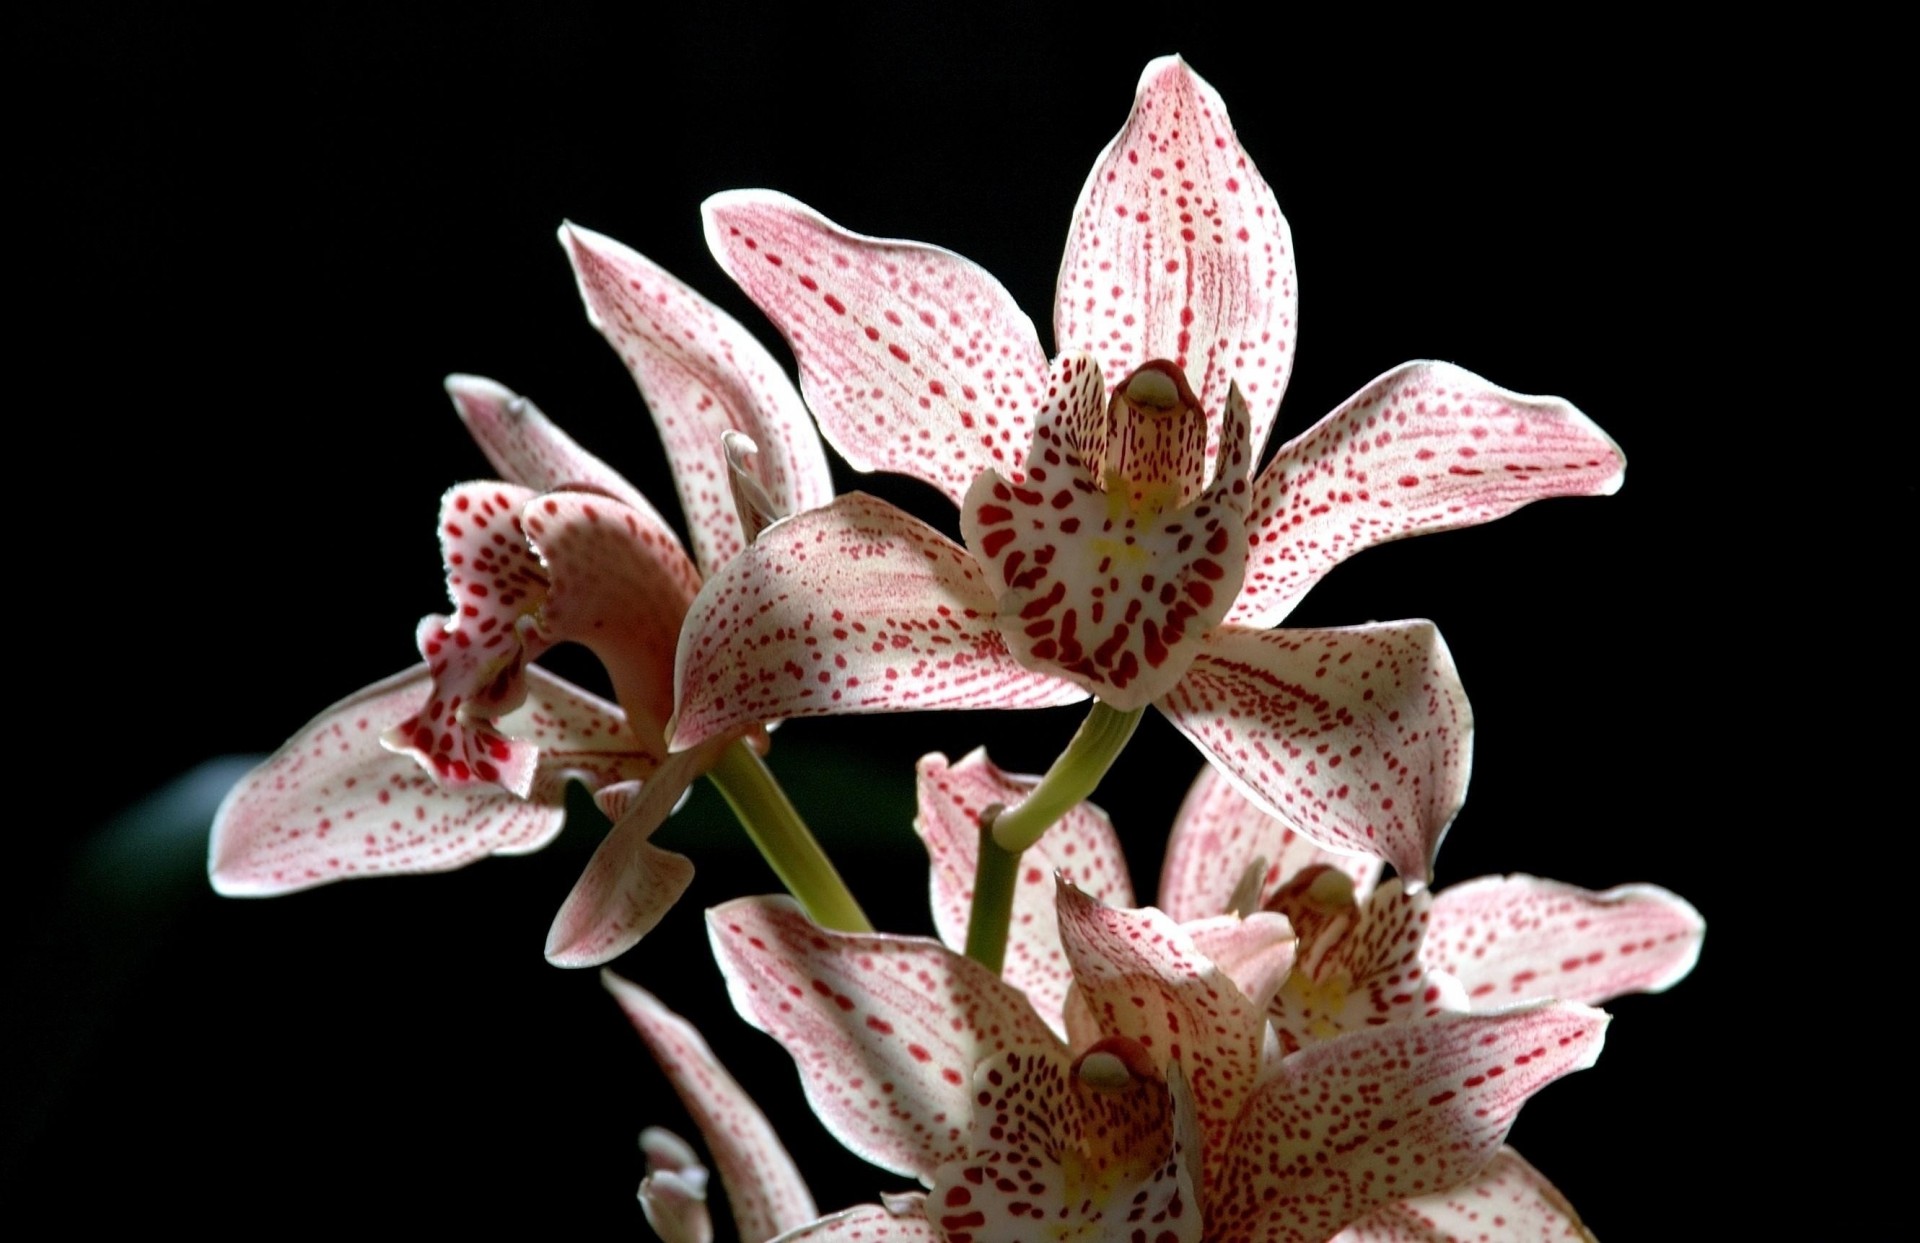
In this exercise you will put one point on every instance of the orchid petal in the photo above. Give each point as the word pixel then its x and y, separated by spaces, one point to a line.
pixel 673 1195
pixel 856 607
pixel 478 655
pixel 763 1184
pixel 630 883
pixel 868 1223
pixel 913 359
pixel 886 1030
pixel 1359 738
pixel 1517 938
pixel 1426 447
pixel 1115 598
pixel 702 374
pixel 1368 974
pixel 524 445
pixel 1179 251
pixel 1081 848
pixel 1387 1114
pixel 1219 835
pixel 620 586
pixel 1256 952
pixel 333 803
pixel 1055 1156
pixel 1508 1202
pixel 1141 977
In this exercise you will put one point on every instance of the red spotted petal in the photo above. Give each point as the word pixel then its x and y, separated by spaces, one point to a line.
pixel 886 1030
pixel 478 655
pixel 524 445
pixel 1141 977
pixel 763 1185
pixel 1256 952
pixel 702 374
pixel 856 607
pixel 1114 598
pixel 1508 1202
pixel 1219 835
pixel 333 803
pixel 1388 1114
pixel 1359 738
pixel 1179 251
pixel 621 586
pixel 869 1223
pixel 913 359
pixel 1517 938
pixel 1426 447
pixel 1082 848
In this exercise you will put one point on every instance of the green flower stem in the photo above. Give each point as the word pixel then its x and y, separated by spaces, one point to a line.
pixel 784 840
pixel 1005 835
pixel 1094 748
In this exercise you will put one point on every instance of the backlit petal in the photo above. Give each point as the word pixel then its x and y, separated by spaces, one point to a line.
pixel 913 359
pixel 524 445
pixel 702 374
pixel 1508 1202
pixel 868 1223
pixel 1179 251
pixel 1388 1114
pixel 1082 847
pixel 886 1030
pixel 1219 835
pixel 1360 738
pixel 1517 938
pixel 1368 975
pixel 856 607
pixel 333 803
pixel 1426 447
pixel 763 1185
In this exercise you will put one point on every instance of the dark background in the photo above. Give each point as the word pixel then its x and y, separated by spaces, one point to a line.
pixel 255 249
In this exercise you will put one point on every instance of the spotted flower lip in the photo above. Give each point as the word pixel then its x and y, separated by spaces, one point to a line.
pixel 469 754
pixel 915 360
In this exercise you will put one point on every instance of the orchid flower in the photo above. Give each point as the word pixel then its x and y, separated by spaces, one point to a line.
pixel 468 753
pixel 1117 544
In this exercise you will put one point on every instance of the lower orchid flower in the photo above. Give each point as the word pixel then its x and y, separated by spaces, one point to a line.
pixel 469 753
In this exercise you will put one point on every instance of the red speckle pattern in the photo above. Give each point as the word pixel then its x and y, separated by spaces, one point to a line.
pixel 856 607
pixel 912 358
pixel 764 1188
pixel 895 1092
pixel 1426 447
pixel 1360 737
pixel 871 1223
pixel 1113 595
pixel 333 803
pixel 1081 848
pixel 1179 251
pixel 1508 1202
pixel 1219 834
pixel 526 448
pixel 702 374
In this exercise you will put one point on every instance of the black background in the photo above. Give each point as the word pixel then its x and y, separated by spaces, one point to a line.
pixel 255 247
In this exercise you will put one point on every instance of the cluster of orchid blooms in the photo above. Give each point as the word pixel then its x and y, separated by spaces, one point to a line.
pixel 1288 1047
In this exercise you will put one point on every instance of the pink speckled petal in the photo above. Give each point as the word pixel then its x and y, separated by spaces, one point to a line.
pixel 763 1184
pixel 1338 1130
pixel 1256 952
pixel 621 586
pixel 1179 251
pixel 856 607
pixel 1114 598
pixel 333 803
pixel 630 883
pixel 1141 977
pixel 1054 1155
pixel 885 1030
pixel 1359 738
pixel 913 359
pixel 1510 939
pixel 1508 1202
pixel 1426 447
pixel 869 1223
pixel 524 445
pixel 478 655
pixel 1082 847
pixel 674 1193
pixel 1218 835
pixel 702 374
